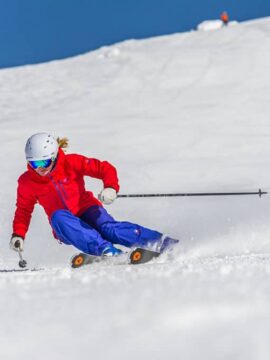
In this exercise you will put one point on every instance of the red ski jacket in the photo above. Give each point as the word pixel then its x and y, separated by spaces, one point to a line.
pixel 63 188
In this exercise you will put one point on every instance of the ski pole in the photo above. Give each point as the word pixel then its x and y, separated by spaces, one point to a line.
pixel 22 262
pixel 260 193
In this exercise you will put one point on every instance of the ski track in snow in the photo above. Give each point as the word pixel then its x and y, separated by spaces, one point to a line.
pixel 186 112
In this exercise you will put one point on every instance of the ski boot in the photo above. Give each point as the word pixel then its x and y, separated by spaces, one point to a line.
pixel 167 243
pixel 82 259
pixel 111 251
pixel 142 255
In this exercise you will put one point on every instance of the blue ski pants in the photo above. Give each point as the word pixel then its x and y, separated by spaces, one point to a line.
pixel 95 230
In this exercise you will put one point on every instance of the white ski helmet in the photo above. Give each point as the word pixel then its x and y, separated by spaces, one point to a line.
pixel 41 146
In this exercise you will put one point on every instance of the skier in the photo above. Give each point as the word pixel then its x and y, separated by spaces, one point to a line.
pixel 56 181
pixel 224 17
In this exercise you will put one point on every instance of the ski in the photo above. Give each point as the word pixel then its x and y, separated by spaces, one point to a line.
pixel 83 259
pixel 142 256
pixel 137 256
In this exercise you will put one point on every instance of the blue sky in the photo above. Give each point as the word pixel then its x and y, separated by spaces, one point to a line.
pixel 33 31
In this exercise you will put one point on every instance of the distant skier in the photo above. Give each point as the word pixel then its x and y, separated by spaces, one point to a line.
pixel 224 17
pixel 56 182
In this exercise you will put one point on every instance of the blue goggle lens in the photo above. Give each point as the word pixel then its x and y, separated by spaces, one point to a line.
pixel 40 163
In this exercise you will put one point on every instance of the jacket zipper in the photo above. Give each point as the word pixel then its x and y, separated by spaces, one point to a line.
pixel 59 192
pixel 63 190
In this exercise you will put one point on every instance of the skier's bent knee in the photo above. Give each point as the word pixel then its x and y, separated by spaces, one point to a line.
pixel 59 214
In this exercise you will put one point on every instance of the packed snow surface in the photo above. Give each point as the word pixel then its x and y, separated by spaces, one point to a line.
pixel 209 25
pixel 187 112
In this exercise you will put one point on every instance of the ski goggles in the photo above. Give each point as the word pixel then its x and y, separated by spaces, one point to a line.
pixel 40 163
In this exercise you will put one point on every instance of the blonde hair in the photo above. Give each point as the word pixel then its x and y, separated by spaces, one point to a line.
pixel 62 143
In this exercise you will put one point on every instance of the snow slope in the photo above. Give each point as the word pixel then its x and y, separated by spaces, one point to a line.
pixel 185 112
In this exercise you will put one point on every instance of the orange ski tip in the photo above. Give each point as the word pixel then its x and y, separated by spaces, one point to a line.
pixel 137 255
pixel 78 260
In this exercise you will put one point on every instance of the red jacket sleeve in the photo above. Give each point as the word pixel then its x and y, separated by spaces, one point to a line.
pixel 102 170
pixel 24 208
